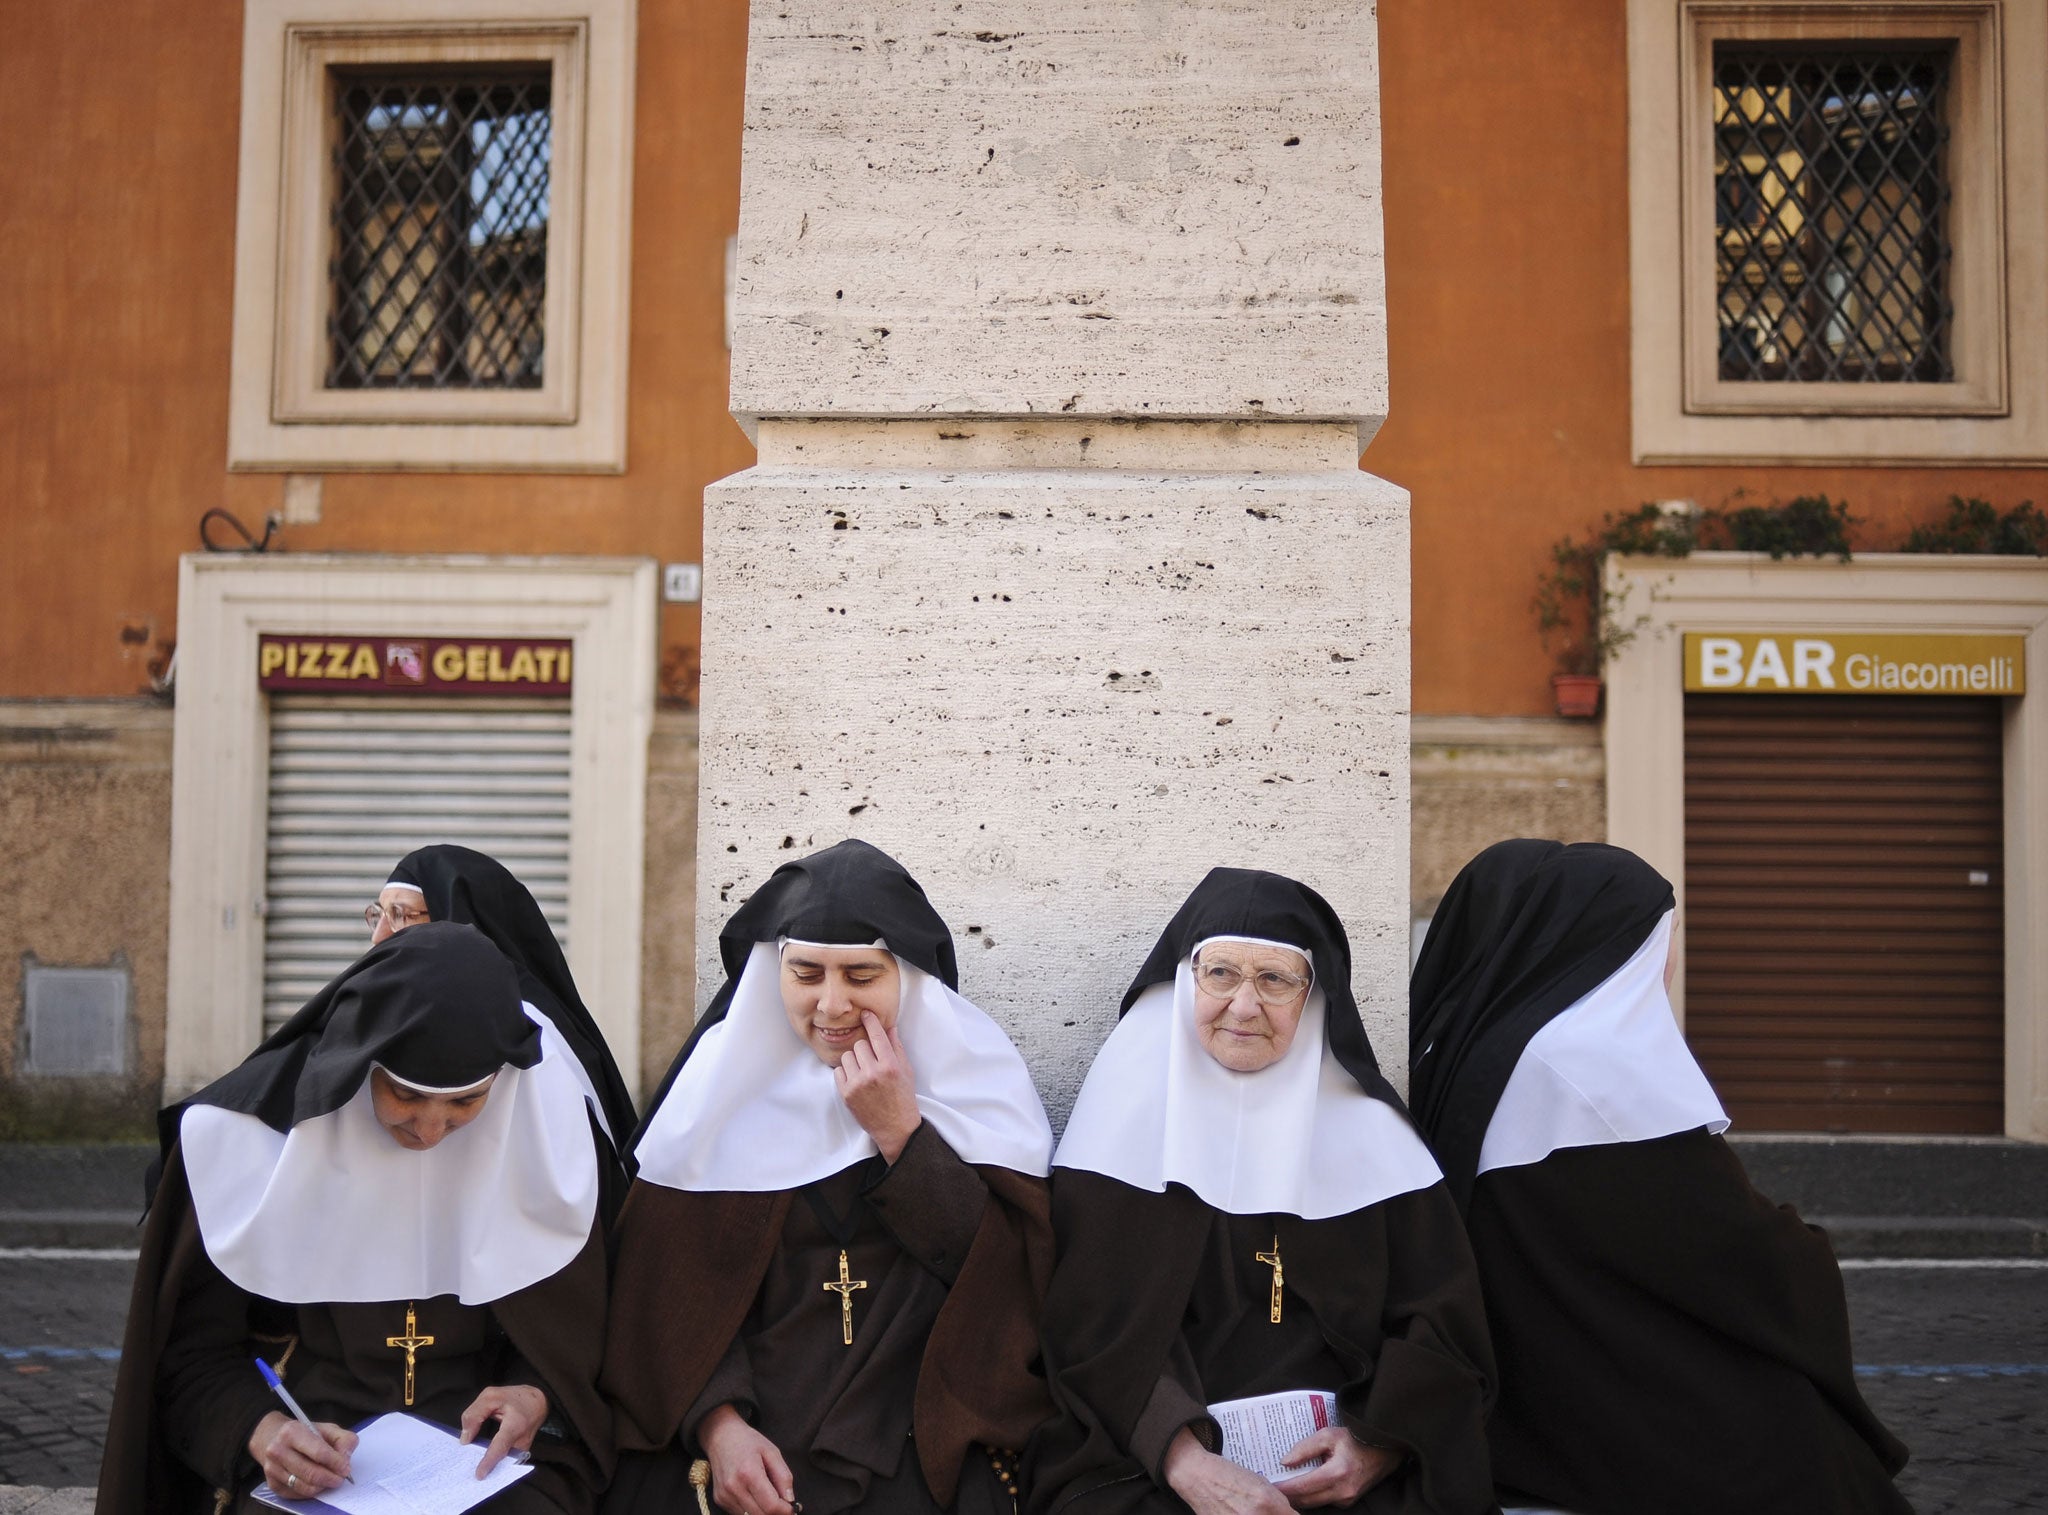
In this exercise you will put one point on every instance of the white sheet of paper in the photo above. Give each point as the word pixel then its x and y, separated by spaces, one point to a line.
pixel 406 1466
pixel 1258 1432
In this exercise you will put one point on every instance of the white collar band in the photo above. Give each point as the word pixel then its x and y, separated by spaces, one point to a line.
pixel 1297 1138
pixel 755 1109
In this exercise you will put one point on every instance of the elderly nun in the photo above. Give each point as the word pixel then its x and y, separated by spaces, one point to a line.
pixel 1243 1209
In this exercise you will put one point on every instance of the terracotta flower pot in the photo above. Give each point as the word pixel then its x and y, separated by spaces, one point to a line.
pixel 1578 694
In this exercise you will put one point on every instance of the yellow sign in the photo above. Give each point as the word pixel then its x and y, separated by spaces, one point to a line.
pixel 1826 662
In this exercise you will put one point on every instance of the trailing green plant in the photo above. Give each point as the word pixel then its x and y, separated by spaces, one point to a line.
pixel 1810 525
pixel 1582 626
pixel 1977 526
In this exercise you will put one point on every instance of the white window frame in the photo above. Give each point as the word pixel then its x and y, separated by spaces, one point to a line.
pixel 1997 410
pixel 1890 592
pixel 281 414
pixel 220 759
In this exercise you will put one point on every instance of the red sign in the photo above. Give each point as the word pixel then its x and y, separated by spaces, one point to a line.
pixel 413 665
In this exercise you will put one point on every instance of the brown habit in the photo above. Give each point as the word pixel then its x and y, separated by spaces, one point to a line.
pixel 1159 1307
pixel 708 1289
pixel 188 1395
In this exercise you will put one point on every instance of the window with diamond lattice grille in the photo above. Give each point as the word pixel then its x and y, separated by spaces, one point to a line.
pixel 1832 204
pixel 440 230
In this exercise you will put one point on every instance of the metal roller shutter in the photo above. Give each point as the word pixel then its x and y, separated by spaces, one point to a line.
pixel 357 784
pixel 1845 963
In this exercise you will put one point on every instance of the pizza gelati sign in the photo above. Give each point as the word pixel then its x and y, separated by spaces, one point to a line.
pixel 1825 662
pixel 412 665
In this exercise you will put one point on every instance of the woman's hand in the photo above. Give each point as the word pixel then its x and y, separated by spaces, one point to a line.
pixel 1353 1467
pixel 1214 1485
pixel 748 1475
pixel 875 1081
pixel 519 1410
pixel 295 1462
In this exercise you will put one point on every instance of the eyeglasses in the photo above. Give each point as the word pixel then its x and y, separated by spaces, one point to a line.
pixel 397 917
pixel 1271 986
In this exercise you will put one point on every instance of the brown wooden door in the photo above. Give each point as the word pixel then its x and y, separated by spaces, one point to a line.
pixel 1844 932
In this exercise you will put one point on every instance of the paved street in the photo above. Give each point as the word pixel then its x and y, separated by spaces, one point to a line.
pixel 1960 1360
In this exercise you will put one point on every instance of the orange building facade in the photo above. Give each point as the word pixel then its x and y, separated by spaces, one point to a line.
pixel 1544 198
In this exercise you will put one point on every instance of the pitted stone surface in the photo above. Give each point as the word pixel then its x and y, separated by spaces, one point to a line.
pixel 1061 696
pixel 1043 207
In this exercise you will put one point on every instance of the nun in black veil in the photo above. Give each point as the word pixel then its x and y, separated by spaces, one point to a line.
pixel 1667 1338
pixel 395 1202
pixel 460 884
pixel 1242 1208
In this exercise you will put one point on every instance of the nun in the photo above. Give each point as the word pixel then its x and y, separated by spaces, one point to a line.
pixel 830 1266
pixel 1243 1209
pixel 1668 1339
pixel 448 883
pixel 393 1202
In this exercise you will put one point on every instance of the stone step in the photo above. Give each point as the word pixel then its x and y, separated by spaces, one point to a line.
pixel 1958 1178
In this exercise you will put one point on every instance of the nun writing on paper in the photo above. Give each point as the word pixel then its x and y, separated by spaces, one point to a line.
pixel 394 1202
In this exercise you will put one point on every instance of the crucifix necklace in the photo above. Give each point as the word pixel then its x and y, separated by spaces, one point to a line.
pixel 412 1341
pixel 840 1229
pixel 1272 1260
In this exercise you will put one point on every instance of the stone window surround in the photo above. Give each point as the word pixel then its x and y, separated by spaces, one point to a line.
pixel 1891 592
pixel 219 777
pixel 1997 411
pixel 281 416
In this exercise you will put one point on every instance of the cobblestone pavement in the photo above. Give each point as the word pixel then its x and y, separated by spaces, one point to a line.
pixel 1979 1431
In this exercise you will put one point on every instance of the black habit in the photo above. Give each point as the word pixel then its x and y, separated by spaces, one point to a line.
pixel 1159 1305
pixel 438 1004
pixel 1668 1339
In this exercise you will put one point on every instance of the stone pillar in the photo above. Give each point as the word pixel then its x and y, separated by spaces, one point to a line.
pixel 1060 327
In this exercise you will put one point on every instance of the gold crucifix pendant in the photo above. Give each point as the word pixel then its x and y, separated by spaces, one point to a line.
pixel 412 1341
pixel 1272 1260
pixel 844 1289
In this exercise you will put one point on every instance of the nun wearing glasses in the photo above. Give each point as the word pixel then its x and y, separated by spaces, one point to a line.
pixel 1669 1339
pixel 1242 1209
pixel 831 1264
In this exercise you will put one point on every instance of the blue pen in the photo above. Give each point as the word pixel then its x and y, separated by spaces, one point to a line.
pixel 270 1377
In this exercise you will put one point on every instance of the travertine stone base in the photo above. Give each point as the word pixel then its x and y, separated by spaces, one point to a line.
pixel 1061 695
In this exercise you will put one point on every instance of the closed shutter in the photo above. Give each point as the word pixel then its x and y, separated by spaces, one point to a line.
pixel 1845 961
pixel 357 784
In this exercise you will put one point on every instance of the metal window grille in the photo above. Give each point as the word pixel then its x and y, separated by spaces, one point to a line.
pixel 1832 249
pixel 440 226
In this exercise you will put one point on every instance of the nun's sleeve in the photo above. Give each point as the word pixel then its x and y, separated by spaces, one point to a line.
pixel 931 1202
pixel 209 1395
pixel 1430 1391
pixel 1175 1405
pixel 731 1383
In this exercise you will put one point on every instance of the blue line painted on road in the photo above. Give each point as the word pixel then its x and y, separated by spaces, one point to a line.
pixel 60 1354
pixel 1952 1370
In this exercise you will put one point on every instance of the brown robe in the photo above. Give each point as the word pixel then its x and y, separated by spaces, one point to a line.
pixel 1159 1308
pixel 721 1300
pixel 1670 1340
pixel 188 1396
